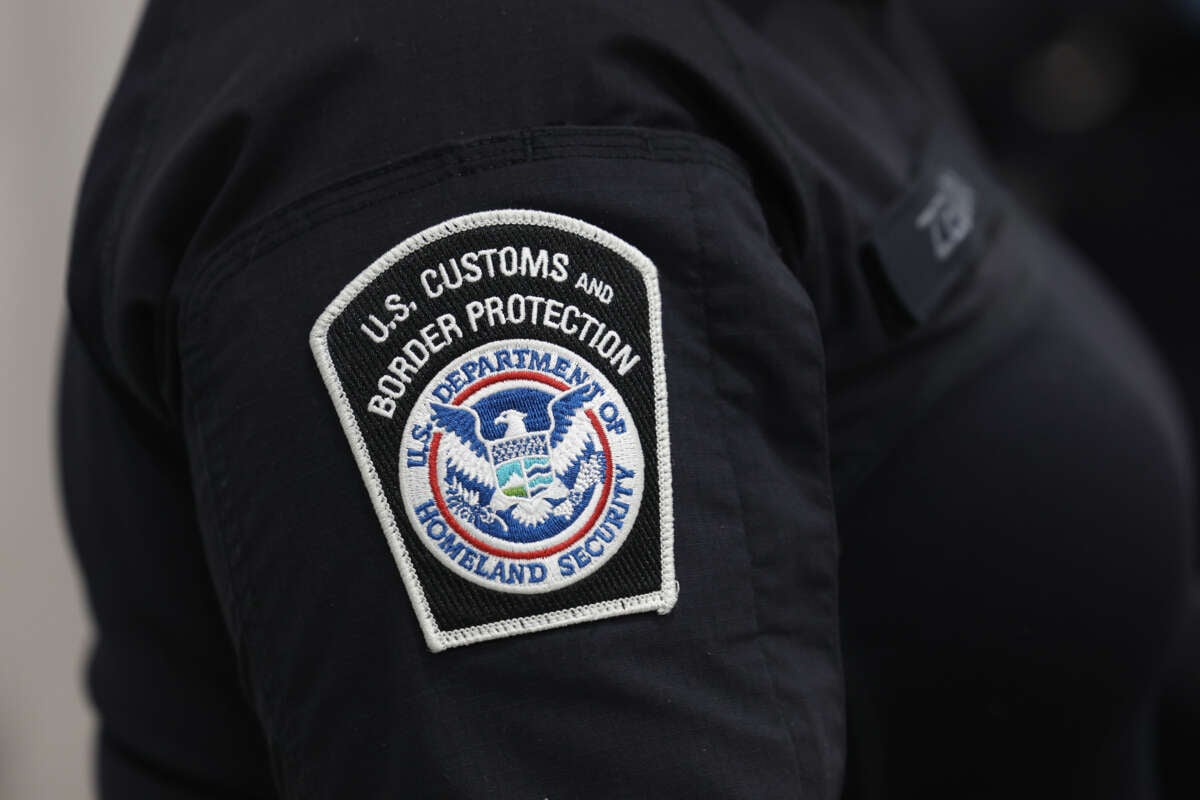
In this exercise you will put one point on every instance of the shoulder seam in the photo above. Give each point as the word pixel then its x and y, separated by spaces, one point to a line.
pixel 459 159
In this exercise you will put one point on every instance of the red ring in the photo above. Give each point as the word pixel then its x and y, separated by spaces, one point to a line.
pixel 453 522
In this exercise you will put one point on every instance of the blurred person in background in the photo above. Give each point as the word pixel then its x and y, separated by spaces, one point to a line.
pixel 1091 112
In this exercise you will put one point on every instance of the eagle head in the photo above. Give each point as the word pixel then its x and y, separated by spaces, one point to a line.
pixel 513 422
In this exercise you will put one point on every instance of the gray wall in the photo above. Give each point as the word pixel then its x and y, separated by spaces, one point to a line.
pixel 58 59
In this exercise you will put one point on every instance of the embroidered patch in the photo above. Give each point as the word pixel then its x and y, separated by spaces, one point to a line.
pixel 500 379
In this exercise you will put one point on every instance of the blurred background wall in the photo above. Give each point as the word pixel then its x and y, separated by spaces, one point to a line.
pixel 58 59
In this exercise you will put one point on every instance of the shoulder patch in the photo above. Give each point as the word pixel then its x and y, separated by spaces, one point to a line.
pixel 500 379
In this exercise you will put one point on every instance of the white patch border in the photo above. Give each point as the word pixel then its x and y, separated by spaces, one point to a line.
pixel 436 638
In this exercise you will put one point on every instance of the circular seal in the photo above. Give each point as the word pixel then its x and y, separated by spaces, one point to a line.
pixel 521 467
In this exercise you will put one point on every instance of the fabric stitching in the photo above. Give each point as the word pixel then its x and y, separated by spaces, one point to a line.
pixel 238 611
pixel 270 693
pixel 308 223
pixel 244 589
pixel 821 255
pixel 218 276
pixel 526 136
pixel 685 142
pixel 443 152
pixel 244 603
pixel 702 290
pixel 692 150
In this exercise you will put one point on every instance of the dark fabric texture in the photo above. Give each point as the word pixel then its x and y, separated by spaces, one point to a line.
pixel 1013 500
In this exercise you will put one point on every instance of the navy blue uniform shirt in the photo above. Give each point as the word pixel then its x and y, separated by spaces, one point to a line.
pixel 904 485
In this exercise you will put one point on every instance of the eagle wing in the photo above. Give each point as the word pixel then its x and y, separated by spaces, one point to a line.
pixel 568 430
pixel 464 446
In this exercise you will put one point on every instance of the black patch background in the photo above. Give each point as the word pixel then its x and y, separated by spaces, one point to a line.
pixel 457 603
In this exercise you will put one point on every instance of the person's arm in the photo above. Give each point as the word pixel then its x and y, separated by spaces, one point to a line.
pixel 364 416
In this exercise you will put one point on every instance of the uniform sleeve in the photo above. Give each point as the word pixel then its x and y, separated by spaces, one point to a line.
pixel 502 415
pixel 383 530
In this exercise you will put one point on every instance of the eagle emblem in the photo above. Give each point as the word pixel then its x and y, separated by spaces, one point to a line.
pixel 522 484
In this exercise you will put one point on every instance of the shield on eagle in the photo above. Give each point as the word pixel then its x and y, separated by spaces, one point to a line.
pixel 522 465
